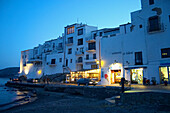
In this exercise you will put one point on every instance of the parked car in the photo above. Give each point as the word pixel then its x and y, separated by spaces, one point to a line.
pixel 86 81
pixel 33 80
pixel 15 79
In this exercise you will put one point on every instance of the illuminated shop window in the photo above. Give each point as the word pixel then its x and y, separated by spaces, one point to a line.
pixel 164 73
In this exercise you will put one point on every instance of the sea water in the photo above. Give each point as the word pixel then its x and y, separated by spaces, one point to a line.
pixel 8 94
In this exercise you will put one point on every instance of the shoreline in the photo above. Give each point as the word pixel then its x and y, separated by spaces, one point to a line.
pixel 57 102
pixel 23 98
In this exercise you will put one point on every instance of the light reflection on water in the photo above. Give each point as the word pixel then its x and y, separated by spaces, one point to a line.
pixel 8 94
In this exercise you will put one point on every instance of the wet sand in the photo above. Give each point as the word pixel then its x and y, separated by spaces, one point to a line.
pixel 52 102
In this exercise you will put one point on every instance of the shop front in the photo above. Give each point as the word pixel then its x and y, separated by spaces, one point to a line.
pixel 73 77
pixel 164 73
pixel 136 76
pixel 115 73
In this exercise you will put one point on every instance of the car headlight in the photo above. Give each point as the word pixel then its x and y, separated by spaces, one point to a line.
pixel 96 82
pixel 90 82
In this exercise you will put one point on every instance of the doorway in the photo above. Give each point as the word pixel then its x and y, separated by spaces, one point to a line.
pixel 164 73
pixel 115 76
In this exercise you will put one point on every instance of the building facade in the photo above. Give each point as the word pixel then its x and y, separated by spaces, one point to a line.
pixel 138 50
pixel 141 49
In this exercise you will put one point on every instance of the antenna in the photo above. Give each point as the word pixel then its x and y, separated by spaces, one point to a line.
pixel 77 20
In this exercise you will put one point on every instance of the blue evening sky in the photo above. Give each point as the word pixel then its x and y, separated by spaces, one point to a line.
pixel 26 23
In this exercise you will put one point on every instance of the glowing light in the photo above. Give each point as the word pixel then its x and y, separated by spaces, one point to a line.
pixel 97 62
pixel 102 63
pixel 39 72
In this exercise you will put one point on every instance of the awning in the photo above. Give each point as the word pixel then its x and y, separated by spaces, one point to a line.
pixel 84 70
pixel 135 66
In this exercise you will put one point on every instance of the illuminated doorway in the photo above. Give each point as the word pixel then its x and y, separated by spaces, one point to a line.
pixel 136 76
pixel 164 74
pixel 115 76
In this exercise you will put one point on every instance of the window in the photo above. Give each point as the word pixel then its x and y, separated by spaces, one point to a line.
pixel 91 46
pixel 154 24
pixel 87 57
pixel 101 33
pixel 71 60
pixel 165 53
pixel 140 26
pixel 94 66
pixel 151 2
pixel 66 62
pixel 138 58
pixel 80 32
pixel 82 49
pixel 70 51
pixel 52 61
pixel 94 56
pixel 94 35
pixel 53 46
pixel 60 59
pixel 70 30
pixel 80 41
pixel 60 44
pixel 80 59
pixel 70 40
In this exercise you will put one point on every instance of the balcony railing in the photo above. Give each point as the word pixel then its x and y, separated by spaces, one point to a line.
pixel 69 43
pixel 37 59
pixel 59 47
pixel 90 60
pixel 78 53
pixel 156 28
pixel 90 39
pixel 79 61
pixel 90 49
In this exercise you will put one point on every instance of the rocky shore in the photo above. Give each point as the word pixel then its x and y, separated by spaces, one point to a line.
pixel 55 102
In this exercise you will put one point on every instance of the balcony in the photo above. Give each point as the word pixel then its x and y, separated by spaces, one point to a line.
pixel 52 65
pixel 69 43
pixel 32 60
pixel 79 53
pixel 156 28
pixel 90 60
pixel 90 39
pixel 79 61
pixel 59 47
pixel 91 49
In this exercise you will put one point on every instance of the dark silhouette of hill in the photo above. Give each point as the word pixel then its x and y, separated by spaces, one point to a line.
pixel 9 72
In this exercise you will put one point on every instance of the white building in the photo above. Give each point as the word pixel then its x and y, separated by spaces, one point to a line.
pixel 142 48
pixel 136 50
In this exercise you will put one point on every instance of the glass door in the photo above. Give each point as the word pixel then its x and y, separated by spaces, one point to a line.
pixel 164 74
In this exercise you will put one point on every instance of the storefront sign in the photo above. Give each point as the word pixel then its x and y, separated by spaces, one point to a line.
pixel 116 53
pixel 127 53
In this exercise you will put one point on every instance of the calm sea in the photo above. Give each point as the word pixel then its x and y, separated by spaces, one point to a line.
pixel 8 94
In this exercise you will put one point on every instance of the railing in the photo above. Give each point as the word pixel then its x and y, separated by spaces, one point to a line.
pixel 79 52
pixel 79 61
pixel 69 42
pixel 59 48
pixel 90 49
pixel 90 39
pixel 158 28
pixel 90 60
